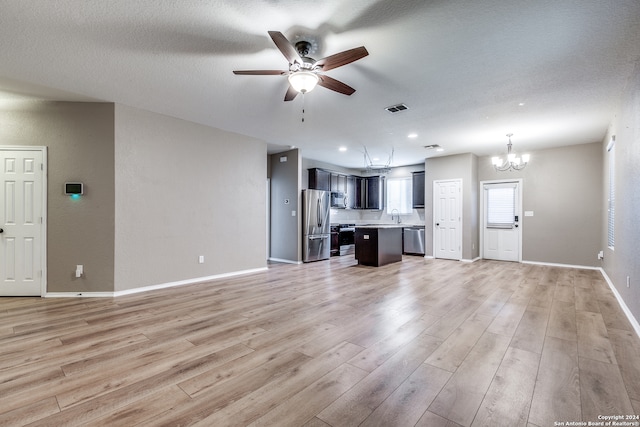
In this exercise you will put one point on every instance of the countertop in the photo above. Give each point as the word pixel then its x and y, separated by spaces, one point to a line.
pixel 401 225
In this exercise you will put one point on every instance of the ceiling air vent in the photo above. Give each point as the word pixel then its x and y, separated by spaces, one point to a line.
pixel 432 147
pixel 397 108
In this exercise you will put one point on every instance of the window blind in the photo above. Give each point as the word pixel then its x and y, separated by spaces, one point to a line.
pixel 611 209
pixel 501 206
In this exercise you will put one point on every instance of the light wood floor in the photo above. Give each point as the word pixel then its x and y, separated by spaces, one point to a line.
pixel 417 343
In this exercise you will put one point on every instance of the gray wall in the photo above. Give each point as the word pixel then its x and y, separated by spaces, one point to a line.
pixel 563 188
pixel 286 229
pixel 79 137
pixel 185 190
pixel 624 259
pixel 460 166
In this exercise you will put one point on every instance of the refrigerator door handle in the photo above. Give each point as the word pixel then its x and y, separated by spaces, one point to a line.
pixel 319 214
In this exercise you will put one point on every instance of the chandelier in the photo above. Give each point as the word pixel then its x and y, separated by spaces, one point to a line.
pixel 512 162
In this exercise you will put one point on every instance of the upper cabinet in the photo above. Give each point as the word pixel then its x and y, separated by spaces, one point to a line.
pixel 370 193
pixel 319 179
pixel 338 182
pixel 359 192
pixel 351 192
pixel 374 194
pixel 418 189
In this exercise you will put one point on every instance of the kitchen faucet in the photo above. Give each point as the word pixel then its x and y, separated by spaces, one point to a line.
pixel 397 215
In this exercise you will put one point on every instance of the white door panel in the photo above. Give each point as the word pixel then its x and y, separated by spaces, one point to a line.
pixel 22 177
pixel 447 216
pixel 491 242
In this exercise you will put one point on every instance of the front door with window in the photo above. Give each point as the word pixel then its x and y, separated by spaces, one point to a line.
pixel 501 221
pixel 21 222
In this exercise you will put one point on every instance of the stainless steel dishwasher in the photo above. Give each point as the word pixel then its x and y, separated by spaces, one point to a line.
pixel 413 238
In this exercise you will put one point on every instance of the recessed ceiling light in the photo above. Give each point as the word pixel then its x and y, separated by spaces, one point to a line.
pixel 521 104
pixel 412 135
pixel 342 148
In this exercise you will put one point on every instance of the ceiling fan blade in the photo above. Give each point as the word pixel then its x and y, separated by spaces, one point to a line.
pixel 342 58
pixel 285 47
pixel 261 72
pixel 335 85
pixel 291 94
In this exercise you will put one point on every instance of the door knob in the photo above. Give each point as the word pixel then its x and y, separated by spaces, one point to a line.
pixel 437 224
pixel 1 230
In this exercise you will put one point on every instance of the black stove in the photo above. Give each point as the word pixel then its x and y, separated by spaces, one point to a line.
pixel 346 238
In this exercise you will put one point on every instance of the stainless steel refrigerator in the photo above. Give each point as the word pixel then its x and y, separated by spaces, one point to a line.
pixel 316 229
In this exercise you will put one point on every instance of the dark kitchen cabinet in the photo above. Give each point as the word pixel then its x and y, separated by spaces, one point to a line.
pixel 418 189
pixel 377 246
pixel 351 192
pixel 338 182
pixel 319 179
pixel 360 192
pixel 374 194
pixel 370 193
pixel 359 199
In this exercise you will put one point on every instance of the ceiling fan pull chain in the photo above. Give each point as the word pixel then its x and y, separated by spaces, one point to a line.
pixel 302 107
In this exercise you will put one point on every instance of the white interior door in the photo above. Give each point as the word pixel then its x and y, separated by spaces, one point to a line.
pixel 21 221
pixel 501 221
pixel 447 215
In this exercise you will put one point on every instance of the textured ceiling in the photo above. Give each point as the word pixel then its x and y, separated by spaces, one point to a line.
pixel 463 68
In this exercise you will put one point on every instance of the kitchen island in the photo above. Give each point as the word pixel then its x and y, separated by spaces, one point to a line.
pixel 378 245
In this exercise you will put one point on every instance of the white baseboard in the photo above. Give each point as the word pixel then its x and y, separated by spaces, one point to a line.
pixel 552 264
pixel 187 282
pixel 286 261
pixel 78 295
pixel 150 288
pixel 471 260
pixel 623 305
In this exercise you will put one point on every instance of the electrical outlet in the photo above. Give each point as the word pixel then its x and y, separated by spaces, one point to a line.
pixel 201 259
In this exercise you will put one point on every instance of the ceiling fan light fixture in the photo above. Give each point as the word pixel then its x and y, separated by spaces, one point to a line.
pixel 303 81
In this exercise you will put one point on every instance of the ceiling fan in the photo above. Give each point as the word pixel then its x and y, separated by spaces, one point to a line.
pixel 304 72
